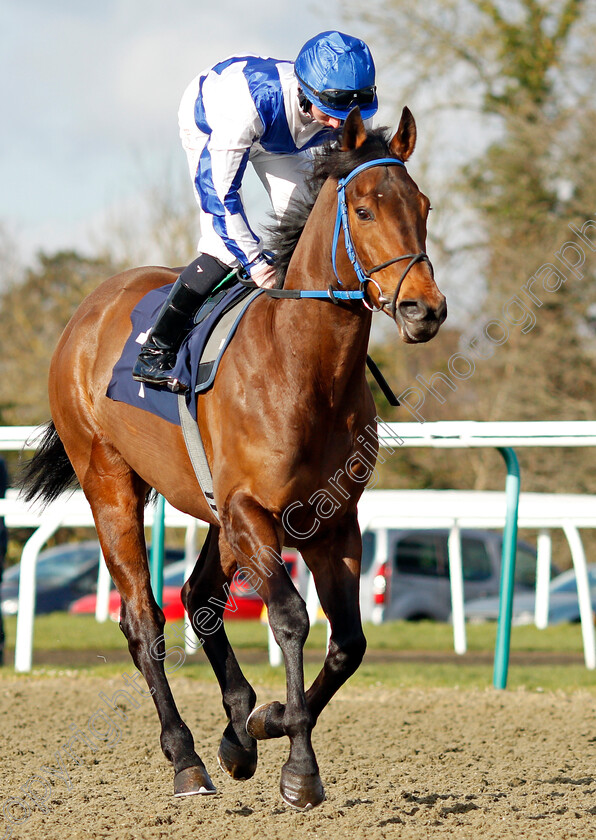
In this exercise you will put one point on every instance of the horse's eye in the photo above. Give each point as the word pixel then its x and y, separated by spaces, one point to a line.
pixel 364 214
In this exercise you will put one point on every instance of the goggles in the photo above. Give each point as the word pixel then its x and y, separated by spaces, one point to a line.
pixel 343 99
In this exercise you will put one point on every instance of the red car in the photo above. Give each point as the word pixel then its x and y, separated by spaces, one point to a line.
pixel 244 602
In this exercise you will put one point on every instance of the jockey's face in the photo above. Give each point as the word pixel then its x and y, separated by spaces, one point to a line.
pixel 325 119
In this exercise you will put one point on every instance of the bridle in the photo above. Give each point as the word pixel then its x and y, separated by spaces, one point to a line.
pixel 342 220
pixel 364 276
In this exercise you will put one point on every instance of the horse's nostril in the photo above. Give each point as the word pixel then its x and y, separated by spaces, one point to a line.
pixel 442 310
pixel 412 310
pixel 416 310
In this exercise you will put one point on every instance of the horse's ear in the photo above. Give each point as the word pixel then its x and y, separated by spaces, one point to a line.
pixel 354 133
pixel 404 140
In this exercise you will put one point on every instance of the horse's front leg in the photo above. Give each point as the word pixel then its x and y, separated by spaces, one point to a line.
pixel 335 565
pixel 334 561
pixel 250 531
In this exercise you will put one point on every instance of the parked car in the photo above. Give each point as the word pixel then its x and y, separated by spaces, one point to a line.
pixel 563 602
pixel 63 574
pixel 405 573
pixel 243 603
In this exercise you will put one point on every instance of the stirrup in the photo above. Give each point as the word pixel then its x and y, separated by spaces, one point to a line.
pixel 146 369
pixel 169 382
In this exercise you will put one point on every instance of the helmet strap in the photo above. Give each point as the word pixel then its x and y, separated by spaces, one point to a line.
pixel 304 101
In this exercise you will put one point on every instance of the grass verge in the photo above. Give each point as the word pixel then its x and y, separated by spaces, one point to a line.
pixel 423 654
pixel 60 631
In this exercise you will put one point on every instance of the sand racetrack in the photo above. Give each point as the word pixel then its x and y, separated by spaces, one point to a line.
pixel 396 763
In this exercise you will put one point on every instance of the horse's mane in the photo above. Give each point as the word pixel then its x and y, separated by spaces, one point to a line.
pixel 330 162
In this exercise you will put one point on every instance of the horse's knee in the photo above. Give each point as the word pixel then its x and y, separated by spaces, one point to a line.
pixel 184 593
pixel 192 599
pixel 142 628
pixel 347 654
pixel 357 647
pixel 289 620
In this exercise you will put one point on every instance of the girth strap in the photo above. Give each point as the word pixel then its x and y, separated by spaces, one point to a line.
pixel 196 453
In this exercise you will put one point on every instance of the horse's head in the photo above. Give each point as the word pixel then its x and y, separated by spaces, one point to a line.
pixel 387 217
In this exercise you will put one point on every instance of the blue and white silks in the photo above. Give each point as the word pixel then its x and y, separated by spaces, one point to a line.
pixel 244 109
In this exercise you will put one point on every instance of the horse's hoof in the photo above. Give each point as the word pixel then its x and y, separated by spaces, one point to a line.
pixel 261 721
pixel 301 791
pixel 238 762
pixel 192 781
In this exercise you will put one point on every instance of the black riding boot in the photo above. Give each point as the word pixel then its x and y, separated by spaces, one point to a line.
pixel 158 353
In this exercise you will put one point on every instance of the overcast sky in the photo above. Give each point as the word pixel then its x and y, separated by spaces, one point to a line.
pixel 89 96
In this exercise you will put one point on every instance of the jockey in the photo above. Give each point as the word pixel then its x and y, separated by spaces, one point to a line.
pixel 271 113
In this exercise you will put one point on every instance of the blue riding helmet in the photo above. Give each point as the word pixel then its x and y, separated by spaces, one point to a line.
pixel 337 72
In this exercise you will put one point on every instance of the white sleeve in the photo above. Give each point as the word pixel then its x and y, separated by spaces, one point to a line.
pixel 234 126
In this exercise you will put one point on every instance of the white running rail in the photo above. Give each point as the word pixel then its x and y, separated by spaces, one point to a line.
pixel 452 509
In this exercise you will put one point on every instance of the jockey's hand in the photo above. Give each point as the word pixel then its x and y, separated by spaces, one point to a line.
pixel 264 275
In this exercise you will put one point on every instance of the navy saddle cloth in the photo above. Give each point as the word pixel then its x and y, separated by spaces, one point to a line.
pixel 199 356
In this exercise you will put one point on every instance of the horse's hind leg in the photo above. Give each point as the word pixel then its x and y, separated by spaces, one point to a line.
pixel 117 496
pixel 204 596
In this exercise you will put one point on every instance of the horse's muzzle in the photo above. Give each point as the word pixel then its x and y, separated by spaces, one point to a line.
pixel 418 321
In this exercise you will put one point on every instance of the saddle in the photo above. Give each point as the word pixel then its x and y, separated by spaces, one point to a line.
pixel 198 358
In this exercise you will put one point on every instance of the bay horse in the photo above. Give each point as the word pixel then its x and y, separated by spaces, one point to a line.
pixel 283 417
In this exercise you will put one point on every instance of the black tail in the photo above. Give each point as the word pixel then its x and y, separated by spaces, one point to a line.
pixel 49 472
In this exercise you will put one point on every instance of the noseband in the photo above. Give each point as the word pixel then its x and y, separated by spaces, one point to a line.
pixel 342 220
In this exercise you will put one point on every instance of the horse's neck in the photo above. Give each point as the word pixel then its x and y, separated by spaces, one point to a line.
pixel 331 339
pixel 310 267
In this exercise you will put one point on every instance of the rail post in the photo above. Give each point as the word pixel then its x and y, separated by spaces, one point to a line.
pixel 158 550
pixel 512 486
